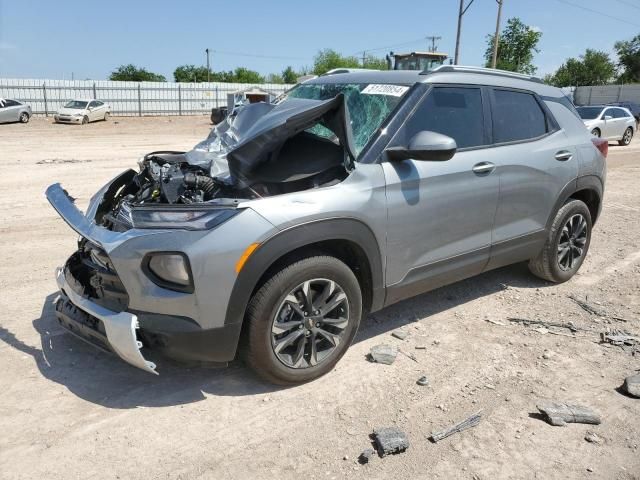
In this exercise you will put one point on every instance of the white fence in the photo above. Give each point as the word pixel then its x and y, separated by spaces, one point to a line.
pixel 606 94
pixel 127 98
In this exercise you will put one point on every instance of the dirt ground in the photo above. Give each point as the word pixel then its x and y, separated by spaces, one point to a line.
pixel 68 411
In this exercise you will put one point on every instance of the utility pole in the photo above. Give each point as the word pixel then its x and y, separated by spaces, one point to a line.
pixel 496 38
pixel 364 58
pixel 461 12
pixel 433 43
pixel 208 68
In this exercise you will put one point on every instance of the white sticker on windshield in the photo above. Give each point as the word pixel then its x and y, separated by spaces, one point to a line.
pixel 381 89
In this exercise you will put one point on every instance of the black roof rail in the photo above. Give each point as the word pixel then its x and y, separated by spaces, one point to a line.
pixel 481 71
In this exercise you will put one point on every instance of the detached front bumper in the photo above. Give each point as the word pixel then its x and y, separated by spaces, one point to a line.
pixel 115 331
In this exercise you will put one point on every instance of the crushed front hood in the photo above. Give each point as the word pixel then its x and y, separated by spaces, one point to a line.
pixel 243 142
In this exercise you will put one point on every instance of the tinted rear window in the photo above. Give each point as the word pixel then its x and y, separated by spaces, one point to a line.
pixel 517 116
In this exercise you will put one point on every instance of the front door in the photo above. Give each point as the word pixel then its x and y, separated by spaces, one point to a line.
pixel 440 214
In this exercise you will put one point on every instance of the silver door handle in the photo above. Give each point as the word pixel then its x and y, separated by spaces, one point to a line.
pixel 564 155
pixel 483 168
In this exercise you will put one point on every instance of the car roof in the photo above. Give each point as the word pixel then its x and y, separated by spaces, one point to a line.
pixel 453 74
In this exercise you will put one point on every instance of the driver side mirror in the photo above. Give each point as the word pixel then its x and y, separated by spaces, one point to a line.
pixel 608 117
pixel 425 145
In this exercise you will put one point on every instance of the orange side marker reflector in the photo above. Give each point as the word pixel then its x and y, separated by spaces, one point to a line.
pixel 245 256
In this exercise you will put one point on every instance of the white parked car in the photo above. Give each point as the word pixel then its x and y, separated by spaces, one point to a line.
pixel 83 111
pixel 610 123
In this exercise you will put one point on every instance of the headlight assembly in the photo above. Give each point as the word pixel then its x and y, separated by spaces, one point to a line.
pixel 184 218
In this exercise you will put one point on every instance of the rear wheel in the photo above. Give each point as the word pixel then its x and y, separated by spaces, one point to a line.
pixel 626 138
pixel 302 320
pixel 24 117
pixel 85 120
pixel 596 132
pixel 106 116
pixel 567 244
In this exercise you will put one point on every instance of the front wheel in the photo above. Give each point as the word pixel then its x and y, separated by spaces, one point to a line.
pixel 626 138
pixel 106 116
pixel 302 320
pixel 85 120
pixel 596 132
pixel 24 117
pixel 567 244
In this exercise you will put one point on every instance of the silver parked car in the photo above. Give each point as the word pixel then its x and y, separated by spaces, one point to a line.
pixel 610 123
pixel 83 111
pixel 14 111
pixel 293 221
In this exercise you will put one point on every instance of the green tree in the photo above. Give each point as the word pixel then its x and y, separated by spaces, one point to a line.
pixel 289 75
pixel 629 59
pixel 517 44
pixel 329 59
pixel 274 78
pixel 131 73
pixel 375 63
pixel 591 68
pixel 190 73
pixel 244 75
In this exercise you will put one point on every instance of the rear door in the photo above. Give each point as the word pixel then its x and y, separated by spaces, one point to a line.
pixel 609 123
pixel 440 214
pixel 535 161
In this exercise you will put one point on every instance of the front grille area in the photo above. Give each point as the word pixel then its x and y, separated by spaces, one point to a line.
pixel 90 273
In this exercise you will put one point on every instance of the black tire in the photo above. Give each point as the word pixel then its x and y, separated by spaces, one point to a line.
pixel 596 132
pixel 626 138
pixel 24 117
pixel 266 305
pixel 547 265
pixel 85 120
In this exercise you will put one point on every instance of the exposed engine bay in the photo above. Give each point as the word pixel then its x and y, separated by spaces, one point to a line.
pixel 261 150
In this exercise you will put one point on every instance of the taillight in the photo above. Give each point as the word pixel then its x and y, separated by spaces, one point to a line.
pixel 602 145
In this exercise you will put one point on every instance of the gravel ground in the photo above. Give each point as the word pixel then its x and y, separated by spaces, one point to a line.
pixel 68 411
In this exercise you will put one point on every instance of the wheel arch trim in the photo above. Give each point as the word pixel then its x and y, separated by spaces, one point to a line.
pixel 586 182
pixel 299 236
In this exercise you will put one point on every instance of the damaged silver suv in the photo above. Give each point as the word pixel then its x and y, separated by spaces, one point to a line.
pixel 277 234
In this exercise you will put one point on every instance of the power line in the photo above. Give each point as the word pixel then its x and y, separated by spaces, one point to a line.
pixel 599 13
pixel 421 39
pixel 255 55
pixel 634 5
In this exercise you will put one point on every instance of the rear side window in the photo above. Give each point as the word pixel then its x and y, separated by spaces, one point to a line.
pixel 517 116
pixel 619 113
pixel 456 112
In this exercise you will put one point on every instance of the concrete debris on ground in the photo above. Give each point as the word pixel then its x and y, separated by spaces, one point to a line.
pixel 559 414
pixel 632 385
pixel 592 437
pixel 390 440
pixel 423 381
pixel 400 334
pixel 385 354
pixel 366 455
pixel 470 422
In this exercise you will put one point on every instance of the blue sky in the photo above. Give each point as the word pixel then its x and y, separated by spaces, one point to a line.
pixel 53 38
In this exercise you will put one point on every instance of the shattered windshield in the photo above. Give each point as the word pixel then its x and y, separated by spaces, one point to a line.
pixel 369 106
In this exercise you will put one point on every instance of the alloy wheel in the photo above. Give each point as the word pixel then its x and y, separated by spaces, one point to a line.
pixel 310 323
pixel 627 136
pixel 573 239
